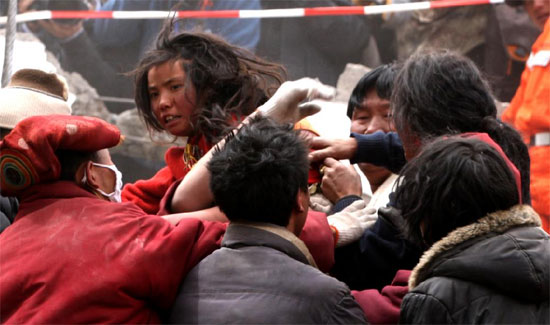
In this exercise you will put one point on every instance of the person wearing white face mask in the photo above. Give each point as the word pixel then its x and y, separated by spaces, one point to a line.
pixel 113 196
pixel 94 261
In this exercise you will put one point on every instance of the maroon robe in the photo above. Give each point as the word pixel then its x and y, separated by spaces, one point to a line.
pixel 70 257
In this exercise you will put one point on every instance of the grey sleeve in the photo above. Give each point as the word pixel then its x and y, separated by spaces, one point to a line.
pixel 419 308
pixel 347 311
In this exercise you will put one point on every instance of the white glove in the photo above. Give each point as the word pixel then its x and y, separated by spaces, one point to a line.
pixel 284 106
pixel 318 202
pixel 352 222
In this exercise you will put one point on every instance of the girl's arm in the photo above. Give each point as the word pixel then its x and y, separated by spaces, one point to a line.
pixel 193 193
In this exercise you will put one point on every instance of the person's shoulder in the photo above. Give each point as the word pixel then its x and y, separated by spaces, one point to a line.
pixel 318 284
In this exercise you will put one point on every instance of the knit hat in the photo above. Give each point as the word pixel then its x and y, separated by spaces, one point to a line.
pixel 32 92
pixel 28 152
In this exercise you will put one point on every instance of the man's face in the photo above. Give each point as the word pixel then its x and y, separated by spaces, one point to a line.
pixel 539 11
pixel 373 114
pixel 411 143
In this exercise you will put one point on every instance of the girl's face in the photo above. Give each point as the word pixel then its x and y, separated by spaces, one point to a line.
pixel 172 101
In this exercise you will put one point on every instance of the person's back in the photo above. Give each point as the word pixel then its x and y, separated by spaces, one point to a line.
pixel 260 277
pixel 487 257
pixel 80 259
pixel 263 273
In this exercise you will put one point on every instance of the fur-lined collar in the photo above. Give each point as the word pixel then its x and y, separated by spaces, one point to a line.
pixel 496 222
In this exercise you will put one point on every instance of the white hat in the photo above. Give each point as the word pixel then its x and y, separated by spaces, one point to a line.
pixel 19 101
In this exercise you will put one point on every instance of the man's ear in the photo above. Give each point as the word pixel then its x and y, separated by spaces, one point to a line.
pixel 299 212
pixel 91 177
pixel 302 202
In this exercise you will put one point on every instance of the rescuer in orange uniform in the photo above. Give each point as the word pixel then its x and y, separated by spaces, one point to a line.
pixel 529 110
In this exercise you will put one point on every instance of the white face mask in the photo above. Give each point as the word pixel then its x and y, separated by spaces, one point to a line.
pixel 114 196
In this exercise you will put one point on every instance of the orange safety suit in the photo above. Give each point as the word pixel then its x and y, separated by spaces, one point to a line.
pixel 529 113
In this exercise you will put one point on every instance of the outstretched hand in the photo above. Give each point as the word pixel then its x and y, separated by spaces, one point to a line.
pixel 332 148
pixel 284 106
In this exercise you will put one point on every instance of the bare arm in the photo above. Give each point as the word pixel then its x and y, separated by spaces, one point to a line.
pixel 193 193
pixel 210 214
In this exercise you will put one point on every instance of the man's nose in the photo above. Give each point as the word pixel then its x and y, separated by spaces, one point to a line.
pixel 377 123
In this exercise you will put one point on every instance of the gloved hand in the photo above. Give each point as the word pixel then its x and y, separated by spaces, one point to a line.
pixel 284 106
pixel 352 222
pixel 319 202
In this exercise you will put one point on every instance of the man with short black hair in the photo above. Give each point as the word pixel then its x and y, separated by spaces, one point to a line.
pixel 263 273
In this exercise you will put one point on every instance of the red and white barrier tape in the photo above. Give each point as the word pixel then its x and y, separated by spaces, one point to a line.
pixel 268 13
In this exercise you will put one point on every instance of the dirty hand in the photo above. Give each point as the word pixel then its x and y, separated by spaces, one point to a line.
pixel 352 222
pixel 339 180
pixel 284 106
pixel 334 148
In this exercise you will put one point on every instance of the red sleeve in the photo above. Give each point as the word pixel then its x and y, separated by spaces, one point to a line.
pixel 147 193
pixel 318 238
pixel 166 201
pixel 383 307
pixel 174 251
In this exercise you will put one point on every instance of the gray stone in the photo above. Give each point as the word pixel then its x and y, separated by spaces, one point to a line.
pixel 348 79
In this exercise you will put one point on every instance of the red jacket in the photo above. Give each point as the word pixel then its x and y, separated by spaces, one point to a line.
pixel 70 257
pixel 147 194
pixel 384 307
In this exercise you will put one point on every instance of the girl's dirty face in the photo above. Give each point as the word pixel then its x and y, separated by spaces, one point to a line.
pixel 172 101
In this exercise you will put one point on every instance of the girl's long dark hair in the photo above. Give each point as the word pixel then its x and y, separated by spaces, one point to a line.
pixel 230 82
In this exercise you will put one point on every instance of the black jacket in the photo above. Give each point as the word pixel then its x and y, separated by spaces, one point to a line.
pixel 493 271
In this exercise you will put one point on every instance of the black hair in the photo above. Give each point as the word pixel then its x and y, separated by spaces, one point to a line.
pixel 439 93
pixel 230 82
pixel 71 160
pixel 256 176
pixel 515 149
pixel 452 183
pixel 380 78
